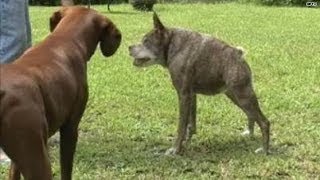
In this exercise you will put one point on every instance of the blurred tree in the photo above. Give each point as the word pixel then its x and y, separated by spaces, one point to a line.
pixel 143 5
pixel 67 2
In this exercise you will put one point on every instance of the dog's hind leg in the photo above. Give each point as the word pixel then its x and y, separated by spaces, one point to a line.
pixel 25 143
pixel 250 127
pixel 34 163
pixel 68 142
pixel 248 102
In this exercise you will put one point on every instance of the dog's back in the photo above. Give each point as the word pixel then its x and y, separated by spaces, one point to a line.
pixel 51 82
pixel 214 63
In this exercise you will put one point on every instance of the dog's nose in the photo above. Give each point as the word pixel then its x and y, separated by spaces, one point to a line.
pixel 130 47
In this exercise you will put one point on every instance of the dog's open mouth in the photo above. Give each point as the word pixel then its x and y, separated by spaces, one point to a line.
pixel 140 61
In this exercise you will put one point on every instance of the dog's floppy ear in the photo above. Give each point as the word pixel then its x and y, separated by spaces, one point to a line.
pixel 156 22
pixel 110 38
pixel 55 18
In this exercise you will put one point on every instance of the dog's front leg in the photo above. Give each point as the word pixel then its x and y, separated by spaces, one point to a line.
pixel 185 97
pixel 68 141
pixel 192 126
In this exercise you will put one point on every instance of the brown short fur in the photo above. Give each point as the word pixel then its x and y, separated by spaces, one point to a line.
pixel 46 90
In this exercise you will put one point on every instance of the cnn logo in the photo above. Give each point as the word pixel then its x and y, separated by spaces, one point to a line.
pixel 311 4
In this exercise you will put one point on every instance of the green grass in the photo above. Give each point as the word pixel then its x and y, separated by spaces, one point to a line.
pixel 132 113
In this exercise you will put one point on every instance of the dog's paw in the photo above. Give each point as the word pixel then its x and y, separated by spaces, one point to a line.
pixel 172 151
pixel 261 150
pixel 247 133
pixel 188 137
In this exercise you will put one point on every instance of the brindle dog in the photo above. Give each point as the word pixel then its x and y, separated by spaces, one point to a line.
pixel 200 64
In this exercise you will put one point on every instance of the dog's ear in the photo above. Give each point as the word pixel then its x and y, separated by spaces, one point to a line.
pixel 55 18
pixel 110 38
pixel 157 23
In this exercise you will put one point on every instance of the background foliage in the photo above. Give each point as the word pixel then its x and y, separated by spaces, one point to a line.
pixel 263 2
pixel 57 2
pixel 281 2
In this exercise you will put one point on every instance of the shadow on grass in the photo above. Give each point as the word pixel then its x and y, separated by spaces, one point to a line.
pixel 146 155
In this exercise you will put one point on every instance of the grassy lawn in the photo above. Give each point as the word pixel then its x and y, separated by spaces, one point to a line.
pixel 131 117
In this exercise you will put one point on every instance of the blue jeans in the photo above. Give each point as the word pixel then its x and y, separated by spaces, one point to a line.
pixel 15 31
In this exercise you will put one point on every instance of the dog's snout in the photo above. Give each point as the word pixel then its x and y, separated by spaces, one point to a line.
pixel 130 47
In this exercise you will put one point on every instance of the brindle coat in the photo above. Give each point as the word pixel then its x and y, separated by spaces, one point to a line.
pixel 199 64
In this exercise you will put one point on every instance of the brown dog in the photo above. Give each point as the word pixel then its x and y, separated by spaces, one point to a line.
pixel 46 90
